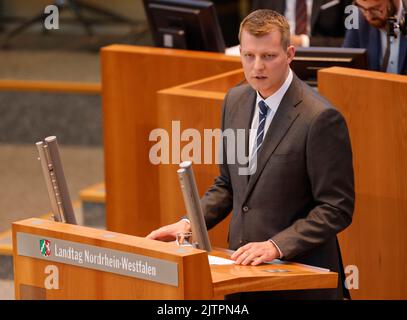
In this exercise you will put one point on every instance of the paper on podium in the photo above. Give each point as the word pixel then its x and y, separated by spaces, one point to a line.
pixel 213 260
pixel 219 261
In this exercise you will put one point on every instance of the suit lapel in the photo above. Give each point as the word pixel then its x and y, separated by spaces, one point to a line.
pixel 244 121
pixel 283 119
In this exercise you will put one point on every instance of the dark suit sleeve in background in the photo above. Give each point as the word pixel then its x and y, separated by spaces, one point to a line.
pixel 316 41
pixel 330 170
pixel 328 27
pixel 351 39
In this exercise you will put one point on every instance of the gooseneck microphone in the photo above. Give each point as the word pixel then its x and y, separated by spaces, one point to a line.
pixel 193 206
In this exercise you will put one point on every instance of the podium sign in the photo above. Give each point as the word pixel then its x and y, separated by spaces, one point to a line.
pixel 97 258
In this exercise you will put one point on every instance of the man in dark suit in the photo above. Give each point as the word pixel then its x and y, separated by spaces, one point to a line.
pixel 325 23
pixel 300 191
pixel 385 52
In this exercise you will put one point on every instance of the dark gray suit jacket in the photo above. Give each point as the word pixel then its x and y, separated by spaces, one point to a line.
pixel 327 26
pixel 302 193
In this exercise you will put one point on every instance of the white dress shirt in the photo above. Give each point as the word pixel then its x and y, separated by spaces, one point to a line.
pixel 273 103
pixel 392 67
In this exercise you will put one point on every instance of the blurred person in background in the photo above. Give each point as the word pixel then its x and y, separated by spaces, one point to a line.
pixel 386 50
pixel 318 23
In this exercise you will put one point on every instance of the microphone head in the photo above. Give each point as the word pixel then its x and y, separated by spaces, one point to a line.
pixel 185 164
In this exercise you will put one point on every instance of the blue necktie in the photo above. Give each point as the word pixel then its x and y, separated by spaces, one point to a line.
pixel 263 109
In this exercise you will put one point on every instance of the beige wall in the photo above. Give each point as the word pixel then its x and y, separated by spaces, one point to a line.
pixel 26 8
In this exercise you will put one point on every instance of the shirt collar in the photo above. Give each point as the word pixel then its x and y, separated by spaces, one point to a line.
pixel 275 99
pixel 400 12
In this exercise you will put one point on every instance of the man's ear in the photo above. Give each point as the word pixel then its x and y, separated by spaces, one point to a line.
pixel 290 53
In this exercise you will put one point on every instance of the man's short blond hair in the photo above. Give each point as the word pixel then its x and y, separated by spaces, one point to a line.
pixel 261 22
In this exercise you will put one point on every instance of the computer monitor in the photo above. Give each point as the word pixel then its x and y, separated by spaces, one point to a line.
pixel 193 206
pixel 308 61
pixel 53 173
pixel 185 24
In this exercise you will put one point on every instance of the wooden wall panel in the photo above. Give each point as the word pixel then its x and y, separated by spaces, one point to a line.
pixel 130 78
pixel 207 114
pixel 375 107
pixel 197 106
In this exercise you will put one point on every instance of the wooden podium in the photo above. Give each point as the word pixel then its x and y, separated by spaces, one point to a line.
pixel 61 261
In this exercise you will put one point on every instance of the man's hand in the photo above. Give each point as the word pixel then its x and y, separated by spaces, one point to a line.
pixel 296 40
pixel 169 232
pixel 256 253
